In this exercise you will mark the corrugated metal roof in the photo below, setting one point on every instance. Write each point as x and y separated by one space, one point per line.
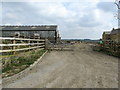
38 27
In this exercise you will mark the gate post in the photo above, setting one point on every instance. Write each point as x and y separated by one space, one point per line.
46 43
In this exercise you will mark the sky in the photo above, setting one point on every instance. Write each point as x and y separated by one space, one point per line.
76 19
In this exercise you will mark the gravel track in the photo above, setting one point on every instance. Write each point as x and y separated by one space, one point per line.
80 68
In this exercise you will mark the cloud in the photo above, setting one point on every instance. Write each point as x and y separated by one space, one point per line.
75 19
57 1
107 6
0 13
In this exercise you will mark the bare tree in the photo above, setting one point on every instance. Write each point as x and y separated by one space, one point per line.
117 3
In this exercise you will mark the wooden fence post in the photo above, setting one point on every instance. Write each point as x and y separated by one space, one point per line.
14 42
36 43
46 43
29 44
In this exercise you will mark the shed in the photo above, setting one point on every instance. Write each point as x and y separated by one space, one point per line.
49 32
115 35
106 35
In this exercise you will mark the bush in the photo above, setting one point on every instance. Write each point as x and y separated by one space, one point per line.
6 69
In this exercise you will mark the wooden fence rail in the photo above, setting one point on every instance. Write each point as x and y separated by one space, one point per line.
110 47
20 44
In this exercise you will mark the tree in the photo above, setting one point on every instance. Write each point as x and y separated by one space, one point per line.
117 3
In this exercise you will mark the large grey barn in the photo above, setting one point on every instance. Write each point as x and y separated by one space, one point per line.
43 31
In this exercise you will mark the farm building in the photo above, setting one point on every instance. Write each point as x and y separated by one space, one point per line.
106 35
113 35
49 32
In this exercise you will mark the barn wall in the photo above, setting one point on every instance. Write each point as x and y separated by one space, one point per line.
106 36
115 37
50 35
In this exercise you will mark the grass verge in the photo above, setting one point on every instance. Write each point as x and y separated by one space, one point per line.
20 62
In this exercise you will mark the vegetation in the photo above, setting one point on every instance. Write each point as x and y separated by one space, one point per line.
20 62
116 54
112 53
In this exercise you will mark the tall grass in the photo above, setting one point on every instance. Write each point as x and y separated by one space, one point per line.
22 60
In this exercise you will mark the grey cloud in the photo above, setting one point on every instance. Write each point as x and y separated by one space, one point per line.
107 6
28 14
18 12
0 12
89 20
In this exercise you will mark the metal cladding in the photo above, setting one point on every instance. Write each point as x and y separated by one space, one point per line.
32 27
42 31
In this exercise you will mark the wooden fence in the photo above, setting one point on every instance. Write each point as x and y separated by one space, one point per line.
110 47
20 44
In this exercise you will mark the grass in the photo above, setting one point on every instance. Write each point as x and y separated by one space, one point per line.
25 60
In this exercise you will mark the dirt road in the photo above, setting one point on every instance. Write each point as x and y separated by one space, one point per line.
80 68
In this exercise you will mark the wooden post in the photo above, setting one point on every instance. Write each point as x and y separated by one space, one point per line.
29 44
14 42
38 41
18 45
46 43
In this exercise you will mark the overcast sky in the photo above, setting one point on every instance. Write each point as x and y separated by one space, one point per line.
75 19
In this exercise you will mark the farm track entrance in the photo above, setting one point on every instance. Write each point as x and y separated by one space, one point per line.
79 68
